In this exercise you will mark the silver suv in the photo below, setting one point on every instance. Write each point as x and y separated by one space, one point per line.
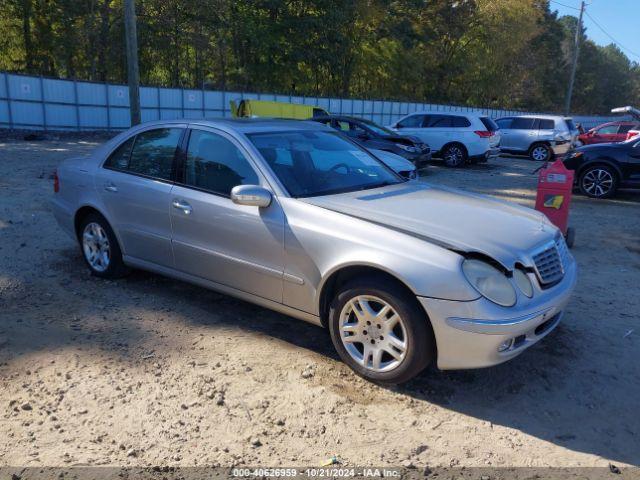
538 136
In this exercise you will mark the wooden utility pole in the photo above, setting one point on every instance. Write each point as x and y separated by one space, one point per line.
574 65
133 74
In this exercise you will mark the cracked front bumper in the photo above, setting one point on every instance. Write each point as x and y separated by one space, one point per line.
469 334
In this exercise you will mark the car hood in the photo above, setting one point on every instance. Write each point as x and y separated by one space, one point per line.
597 147
448 217
404 139
393 161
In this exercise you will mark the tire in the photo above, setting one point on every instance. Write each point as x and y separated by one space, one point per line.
99 247
411 331
598 181
540 152
570 237
454 155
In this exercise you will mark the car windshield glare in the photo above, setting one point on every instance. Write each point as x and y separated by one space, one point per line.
312 163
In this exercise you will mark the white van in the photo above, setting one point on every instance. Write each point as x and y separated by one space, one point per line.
457 138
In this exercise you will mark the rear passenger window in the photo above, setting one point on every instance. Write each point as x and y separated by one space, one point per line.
460 122
546 124
522 123
439 121
153 152
414 121
119 159
217 165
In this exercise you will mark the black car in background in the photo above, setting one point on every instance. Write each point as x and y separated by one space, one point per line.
601 169
373 136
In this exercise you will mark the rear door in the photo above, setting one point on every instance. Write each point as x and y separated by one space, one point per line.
213 238
546 129
135 185
440 130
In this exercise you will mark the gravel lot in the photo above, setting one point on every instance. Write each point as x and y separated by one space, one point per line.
148 371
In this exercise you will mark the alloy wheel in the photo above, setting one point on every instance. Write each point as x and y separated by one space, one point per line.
454 156
373 333
540 153
95 246
597 182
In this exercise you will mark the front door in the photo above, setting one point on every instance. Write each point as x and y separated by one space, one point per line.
135 184
213 238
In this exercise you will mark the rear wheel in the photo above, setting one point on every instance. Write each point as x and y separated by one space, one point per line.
380 330
454 155
100 247
540 152
599 181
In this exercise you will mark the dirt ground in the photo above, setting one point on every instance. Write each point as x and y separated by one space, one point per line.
147 370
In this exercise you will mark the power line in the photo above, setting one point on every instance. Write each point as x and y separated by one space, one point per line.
565 5
612 39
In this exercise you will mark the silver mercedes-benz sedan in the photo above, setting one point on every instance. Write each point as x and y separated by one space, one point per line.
294 217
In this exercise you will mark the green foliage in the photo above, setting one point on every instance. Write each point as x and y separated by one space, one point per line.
498 53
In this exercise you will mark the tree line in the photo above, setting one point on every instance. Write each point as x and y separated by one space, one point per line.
493 53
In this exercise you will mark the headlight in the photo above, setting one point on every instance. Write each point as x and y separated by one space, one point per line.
406 148
574 155
523 282
490 282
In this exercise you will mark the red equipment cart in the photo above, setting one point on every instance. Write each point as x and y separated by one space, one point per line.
555 185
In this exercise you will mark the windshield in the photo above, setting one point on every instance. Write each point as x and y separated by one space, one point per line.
570 125
321 163
378 129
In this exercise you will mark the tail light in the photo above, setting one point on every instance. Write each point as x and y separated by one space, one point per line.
56 182
483 133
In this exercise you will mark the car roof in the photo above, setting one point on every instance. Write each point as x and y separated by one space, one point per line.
544 117
453 114
340 117
246 125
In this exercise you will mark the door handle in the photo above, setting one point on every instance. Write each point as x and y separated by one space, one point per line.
110 187
182 205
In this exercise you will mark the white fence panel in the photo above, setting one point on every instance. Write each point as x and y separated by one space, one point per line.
44 103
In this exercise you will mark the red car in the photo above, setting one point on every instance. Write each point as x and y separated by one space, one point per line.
608 133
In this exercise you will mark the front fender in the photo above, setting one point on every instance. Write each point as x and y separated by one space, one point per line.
320 242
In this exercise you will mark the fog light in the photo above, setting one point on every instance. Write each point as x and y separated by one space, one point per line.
506 345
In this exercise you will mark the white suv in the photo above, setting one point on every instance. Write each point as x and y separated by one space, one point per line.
455 137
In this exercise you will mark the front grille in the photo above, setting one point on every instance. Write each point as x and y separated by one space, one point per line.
551 261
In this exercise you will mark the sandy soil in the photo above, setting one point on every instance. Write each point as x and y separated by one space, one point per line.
148 371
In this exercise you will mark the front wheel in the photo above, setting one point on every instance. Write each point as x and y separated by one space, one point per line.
380 331
599 181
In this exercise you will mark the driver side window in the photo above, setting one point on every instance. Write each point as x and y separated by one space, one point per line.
608 130
413 121
215 164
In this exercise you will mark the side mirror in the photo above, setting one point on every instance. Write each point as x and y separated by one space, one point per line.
251 195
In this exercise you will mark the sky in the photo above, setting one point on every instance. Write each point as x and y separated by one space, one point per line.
620 19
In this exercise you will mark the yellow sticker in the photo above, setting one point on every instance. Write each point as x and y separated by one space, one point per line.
553 201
